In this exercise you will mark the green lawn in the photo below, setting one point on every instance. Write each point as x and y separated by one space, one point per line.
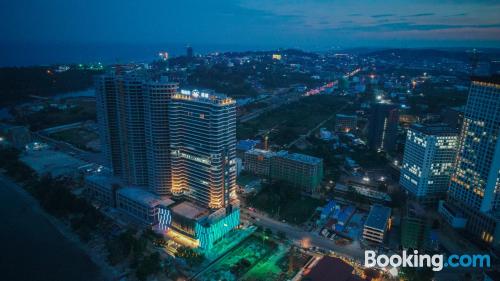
84 110
290 121
245 178
240 260
79 137
285 202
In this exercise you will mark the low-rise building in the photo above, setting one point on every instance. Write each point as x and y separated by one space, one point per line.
345 123
102 188
141 205
377 224
243 146
258 162
300 170
17 136
201 227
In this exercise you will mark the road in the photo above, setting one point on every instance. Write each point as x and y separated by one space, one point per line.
302 137
277 100
86 156
298 234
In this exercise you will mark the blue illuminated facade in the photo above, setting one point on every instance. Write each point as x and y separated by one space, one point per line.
207 233
164 218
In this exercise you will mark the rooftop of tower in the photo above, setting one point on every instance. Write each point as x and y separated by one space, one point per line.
494 79
265 153
206 96
307 159
438 129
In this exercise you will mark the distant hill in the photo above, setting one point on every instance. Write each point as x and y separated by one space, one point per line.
418 54
461 54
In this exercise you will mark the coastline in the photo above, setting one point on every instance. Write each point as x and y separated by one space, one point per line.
107 272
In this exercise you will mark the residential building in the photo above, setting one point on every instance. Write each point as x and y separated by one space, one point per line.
345 123
383 126
203 147
377 223
258 162
243 146
157 103
120 114
168 146
475 183
171 142
415 230
303 171
428 161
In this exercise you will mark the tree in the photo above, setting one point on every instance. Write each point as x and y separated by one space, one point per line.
116 253
414 274
192 257
371 273
148 266
15 168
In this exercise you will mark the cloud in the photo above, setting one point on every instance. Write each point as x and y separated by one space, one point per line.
408 26
458 15
382 16
420 15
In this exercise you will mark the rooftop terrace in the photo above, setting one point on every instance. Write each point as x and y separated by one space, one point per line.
144 197
190 210
302 158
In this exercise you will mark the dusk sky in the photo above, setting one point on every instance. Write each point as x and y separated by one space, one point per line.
307 24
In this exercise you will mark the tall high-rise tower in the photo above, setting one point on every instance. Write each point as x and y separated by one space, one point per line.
474 190
170 142
157 102
428 161
383 126
120 113
203 143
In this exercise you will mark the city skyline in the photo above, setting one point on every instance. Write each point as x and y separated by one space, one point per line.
250 140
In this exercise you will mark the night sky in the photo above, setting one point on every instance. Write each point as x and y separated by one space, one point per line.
317 24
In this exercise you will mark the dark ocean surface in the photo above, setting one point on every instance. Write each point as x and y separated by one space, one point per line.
32 249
